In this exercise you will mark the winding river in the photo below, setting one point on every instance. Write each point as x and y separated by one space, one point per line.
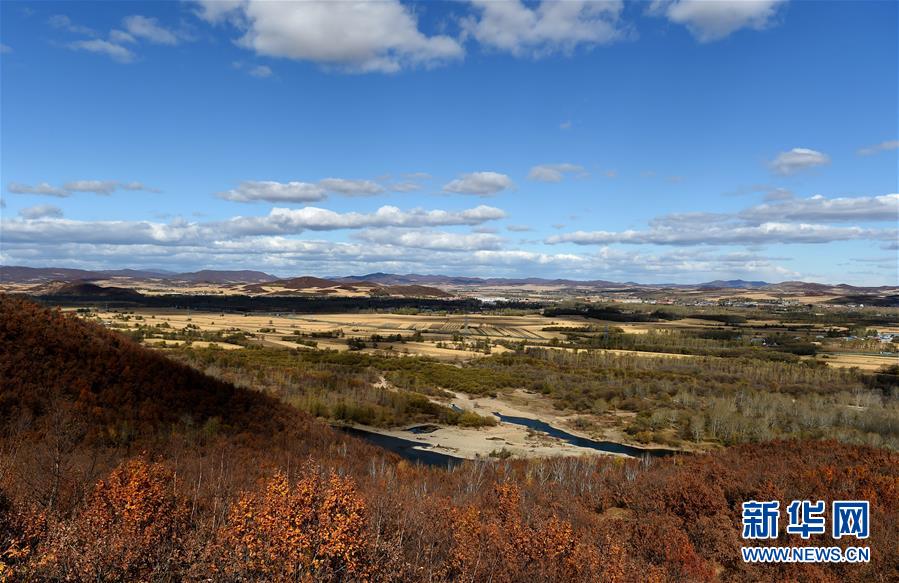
414 451
604 446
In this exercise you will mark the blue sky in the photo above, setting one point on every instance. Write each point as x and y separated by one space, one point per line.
671 141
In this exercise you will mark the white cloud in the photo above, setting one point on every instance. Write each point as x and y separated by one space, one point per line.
261 71
711 20
279 222
41 211
294 256
136 186
4 49
63 22
271 191
433 240
404 186
479 183
351 187
549 27
48 231
217 11
791 221
881 147
554 172
519 228
42 188
95 186
100 46
778 194
120 36
726 234
352 35
565 125
136 27
149 29
798 159
818 208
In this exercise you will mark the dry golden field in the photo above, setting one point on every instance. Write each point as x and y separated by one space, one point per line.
271 329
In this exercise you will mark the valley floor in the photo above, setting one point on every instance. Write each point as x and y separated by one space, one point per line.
505 438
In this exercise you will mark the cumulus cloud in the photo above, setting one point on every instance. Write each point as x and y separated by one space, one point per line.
293 256
404 186
271 191
279 222
798 159
351 187
282 221
261 71
63 22
99 46
479 183
258 71
727 234
149 29
818 208
778 194
136 28
299 192
792 221
554 172
41 211
549 27
47 231
351 35
41 188
96 186
881 147
519 228
433 240
218 11
712 20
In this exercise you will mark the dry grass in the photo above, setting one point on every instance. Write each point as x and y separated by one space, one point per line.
433 328
867 362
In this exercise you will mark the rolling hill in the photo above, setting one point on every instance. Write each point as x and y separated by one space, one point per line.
19 274
308 285
105 382
86 290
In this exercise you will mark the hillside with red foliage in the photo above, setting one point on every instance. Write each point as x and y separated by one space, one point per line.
114 384
118 465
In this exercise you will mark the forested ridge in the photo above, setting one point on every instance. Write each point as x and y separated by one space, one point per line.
118 464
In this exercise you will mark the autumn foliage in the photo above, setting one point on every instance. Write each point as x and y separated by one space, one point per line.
131 528
314 529
117 465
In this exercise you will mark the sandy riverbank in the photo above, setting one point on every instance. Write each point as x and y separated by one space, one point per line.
516 439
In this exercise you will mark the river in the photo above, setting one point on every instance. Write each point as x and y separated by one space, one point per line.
406 448
604 446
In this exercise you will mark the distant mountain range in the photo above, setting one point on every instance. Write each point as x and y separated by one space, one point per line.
445 280
305 285
18 274
385 281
